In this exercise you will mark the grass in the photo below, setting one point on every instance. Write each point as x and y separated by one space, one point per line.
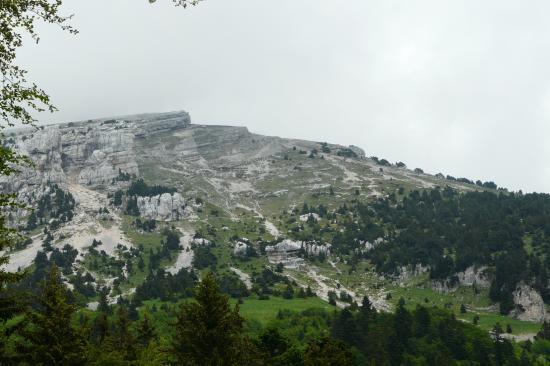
476 304
265 311
488 320
257 313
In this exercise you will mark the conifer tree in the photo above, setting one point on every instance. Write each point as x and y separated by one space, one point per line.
146 332
122 339
49 336
544 331
272 343
402 330
328 352
208 332
422 321
345 328
366 314
100 328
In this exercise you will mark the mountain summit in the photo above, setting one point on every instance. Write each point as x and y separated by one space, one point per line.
118 198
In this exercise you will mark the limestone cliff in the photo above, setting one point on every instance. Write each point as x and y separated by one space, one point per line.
91 153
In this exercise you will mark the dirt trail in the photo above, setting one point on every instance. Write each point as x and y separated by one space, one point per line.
272 229
245 277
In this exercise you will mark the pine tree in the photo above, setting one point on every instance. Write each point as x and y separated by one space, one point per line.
422 321
328 352
402 330
146 332
100 328
366 314
207 331
103 305
272 343
288 293
49 337
544 331
122 339
345 328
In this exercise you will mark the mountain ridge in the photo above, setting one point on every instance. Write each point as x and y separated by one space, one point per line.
124 181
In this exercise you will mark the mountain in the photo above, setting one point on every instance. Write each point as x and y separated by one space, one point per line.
119 200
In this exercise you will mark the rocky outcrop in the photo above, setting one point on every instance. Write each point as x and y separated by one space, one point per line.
529 304
316 249
287 251
240 249
309 216
478 277
368 246
164 207
91 153
445 286
473 276
285 246
405 273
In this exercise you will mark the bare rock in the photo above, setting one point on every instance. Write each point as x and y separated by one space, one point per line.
240 249
473 276
529 304
164 207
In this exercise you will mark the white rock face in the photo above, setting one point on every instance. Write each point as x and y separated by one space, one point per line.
407 272
471 276
316 249
164 207
240 249
368 246
444 286
286 246
286 252
474 276
91 153
200 241
305 217
529 304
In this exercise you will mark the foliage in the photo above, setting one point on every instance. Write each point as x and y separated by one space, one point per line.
447 232
208 332
140 188
48 336
232 285
203 257
166 286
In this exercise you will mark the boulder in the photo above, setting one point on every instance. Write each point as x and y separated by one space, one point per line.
240 249
529 304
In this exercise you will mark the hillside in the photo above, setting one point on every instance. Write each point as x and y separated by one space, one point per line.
116 200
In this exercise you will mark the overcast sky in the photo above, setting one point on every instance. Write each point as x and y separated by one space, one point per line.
459 87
